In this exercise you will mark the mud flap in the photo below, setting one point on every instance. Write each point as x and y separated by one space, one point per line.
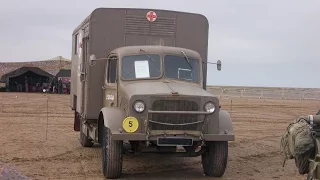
76 123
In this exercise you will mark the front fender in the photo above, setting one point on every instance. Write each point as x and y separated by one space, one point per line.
225 123
225 129
113 118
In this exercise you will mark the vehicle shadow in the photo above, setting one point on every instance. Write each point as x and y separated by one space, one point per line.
158 167
174 174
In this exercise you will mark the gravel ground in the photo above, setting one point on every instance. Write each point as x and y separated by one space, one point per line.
43 145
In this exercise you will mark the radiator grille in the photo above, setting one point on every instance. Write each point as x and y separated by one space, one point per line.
174 105
140 25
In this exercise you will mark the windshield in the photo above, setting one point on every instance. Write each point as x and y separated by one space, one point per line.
141 66
182 68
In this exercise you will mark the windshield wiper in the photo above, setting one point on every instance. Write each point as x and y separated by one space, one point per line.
187 59
150 59
147 55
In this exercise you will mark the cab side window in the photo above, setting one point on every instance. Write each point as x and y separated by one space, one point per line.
112 69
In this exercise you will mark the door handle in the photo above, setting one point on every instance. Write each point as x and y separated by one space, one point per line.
103 87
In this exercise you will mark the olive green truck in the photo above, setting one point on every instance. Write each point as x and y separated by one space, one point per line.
139 78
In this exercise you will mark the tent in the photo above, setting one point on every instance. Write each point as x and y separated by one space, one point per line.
64 73
62 81
29 79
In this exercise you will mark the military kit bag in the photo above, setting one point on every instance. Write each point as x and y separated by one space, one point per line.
297 143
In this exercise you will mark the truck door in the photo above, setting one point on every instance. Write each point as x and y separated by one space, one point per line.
111 85
83 69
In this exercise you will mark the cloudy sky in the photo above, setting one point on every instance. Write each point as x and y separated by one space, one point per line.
260 43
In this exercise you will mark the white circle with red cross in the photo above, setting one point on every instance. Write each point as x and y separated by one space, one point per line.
151 16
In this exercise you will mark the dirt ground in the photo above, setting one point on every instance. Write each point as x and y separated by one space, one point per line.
50 149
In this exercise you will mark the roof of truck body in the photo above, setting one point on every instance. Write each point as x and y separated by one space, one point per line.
156 49
80 25
87 19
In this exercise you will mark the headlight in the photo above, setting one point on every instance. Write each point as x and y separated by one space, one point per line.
209 107
139 106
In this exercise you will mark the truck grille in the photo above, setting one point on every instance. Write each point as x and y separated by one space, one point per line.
174 105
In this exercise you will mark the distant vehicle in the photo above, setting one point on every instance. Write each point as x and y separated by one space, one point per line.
139 76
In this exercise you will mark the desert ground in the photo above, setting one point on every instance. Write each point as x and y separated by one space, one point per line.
43 145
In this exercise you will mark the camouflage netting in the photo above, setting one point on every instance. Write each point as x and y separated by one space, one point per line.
297 143
8 173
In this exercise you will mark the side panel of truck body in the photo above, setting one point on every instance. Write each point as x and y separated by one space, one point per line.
110 28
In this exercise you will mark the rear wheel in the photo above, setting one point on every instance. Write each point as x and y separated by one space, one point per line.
84 140
111 155
214 159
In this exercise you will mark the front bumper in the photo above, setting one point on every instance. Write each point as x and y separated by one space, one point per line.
143 137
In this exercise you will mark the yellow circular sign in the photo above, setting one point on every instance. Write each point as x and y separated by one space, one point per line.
130 124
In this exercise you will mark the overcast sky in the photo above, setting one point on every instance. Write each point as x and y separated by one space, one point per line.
260 43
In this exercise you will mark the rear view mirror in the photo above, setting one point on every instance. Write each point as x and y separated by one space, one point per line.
219 65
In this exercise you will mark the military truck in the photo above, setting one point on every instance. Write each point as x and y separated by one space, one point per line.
139 78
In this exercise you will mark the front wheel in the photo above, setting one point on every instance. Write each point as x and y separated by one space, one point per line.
111 155
214 159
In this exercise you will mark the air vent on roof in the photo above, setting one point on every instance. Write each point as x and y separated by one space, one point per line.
140 25
136 25
163 26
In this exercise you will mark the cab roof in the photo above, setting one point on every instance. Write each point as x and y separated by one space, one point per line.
156 49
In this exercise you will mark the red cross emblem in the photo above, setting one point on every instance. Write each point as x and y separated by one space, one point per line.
151 16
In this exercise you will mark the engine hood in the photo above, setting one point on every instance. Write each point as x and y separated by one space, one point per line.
163 88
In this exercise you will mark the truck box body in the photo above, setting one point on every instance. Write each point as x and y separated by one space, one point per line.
109 28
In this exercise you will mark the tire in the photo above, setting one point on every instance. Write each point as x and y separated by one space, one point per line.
85 141
111 156
214 159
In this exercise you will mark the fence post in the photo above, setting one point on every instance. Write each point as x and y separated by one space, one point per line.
231 108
